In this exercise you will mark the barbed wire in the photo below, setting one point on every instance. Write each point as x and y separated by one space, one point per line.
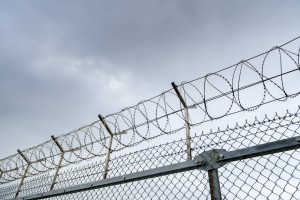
263 78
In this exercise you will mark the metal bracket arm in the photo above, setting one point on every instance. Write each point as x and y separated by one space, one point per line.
106 165
23 156
105 124
63 151
57 143
59 163
10 170
6 171
186 120
26 170
175 87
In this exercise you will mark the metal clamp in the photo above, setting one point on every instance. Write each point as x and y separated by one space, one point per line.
211 159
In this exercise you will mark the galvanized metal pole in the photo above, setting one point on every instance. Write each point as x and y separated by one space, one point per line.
188 134
186 120
63 151
106 165
57 170
25 172
214 185
22 180
59 163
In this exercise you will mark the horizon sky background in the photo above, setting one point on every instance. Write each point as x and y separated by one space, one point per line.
63 63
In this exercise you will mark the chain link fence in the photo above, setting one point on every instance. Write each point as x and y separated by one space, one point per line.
273 176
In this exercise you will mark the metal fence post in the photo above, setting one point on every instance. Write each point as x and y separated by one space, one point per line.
59 163
186 119
214 184
25 172
63 151
106 165
107 157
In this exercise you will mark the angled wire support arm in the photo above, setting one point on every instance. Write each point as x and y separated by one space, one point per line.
25 172
109 151
186 120
59 162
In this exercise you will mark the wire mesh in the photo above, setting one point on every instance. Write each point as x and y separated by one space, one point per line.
275 176
187 185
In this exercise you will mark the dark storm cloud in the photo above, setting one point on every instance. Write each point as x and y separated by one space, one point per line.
64 62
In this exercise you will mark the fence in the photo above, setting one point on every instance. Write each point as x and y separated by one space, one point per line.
257 160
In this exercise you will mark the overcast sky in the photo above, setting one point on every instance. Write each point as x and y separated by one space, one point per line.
64 62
